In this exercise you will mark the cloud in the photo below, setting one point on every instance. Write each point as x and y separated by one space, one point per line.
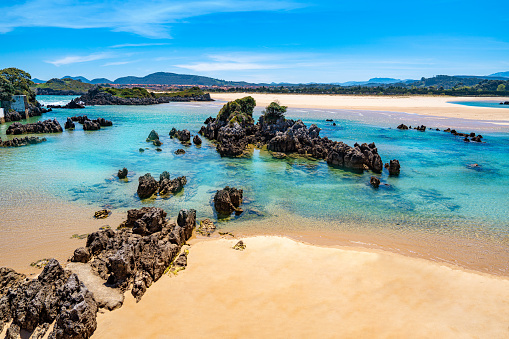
117 63
139 45
150 18
73 59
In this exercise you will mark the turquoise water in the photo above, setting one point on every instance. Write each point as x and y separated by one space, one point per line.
437 190
482 103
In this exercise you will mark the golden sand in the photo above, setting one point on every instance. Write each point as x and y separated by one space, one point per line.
425 105
280 288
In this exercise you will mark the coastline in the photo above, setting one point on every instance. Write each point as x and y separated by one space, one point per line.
306 290
423 105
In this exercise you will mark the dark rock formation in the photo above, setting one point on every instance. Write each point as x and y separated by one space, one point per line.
122 174
235 132
80 119
183 136
46 126
141 250
9 279
196 140
206 227
227 201
55 295
152 136
393 167
240 246
375 182
91 125
180 151
69 124
102 214
505 103
95 96
421 128
147 186
402 126
18 142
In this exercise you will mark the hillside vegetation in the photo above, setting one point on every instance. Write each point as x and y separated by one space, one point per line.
66 84
138 92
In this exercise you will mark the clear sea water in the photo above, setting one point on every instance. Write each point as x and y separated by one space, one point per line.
438 190
494 103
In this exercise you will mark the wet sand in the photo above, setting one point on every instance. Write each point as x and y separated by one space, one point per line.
424 105
280 288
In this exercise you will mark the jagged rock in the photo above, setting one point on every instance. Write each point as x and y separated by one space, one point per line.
146 220
197 140
206 227
157 142
375 182
9 279
402 126
80 119
240 246
69 124
227 201
81 254
421 128
152 136
183 136
122 174
167 186
46 126
393 167
180 151
90 125
147 186
102 214
19 142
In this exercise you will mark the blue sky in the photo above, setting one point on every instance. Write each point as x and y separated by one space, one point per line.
259 41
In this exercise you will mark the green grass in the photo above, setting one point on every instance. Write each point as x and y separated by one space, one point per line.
66 84
137 92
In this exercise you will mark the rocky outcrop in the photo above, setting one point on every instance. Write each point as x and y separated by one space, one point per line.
283 136
102 214
183 136
402 126
33 111
96 96
180 151
421 128
227 201
141 250
148 186
69 124
375 182
46 126
56 295
9 279
393 167
18 142
90 125
196 140
122 174
206 227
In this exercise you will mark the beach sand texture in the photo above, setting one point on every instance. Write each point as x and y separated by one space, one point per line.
424 105
280 288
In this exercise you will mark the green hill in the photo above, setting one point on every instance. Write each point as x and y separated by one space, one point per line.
63 85
163 78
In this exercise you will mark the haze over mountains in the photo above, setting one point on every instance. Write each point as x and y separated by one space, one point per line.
164 78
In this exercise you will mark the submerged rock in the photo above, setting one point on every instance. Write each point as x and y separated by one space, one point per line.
147 186
69 124
206 227
393 167
19 142
196 140
375 182
180 151
46 126
122 174
152 136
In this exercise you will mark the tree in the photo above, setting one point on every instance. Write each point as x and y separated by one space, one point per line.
501 88
20 80
274 112
6 89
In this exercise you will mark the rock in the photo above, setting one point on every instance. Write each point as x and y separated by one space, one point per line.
152 136
196 140
421 128
206 227
329 120
47 126
122 174
157 142
102 214
239 246
159 150
90 125
181 262
183 136
19 142
167 186
141 150
227 201
180 151
9 279
69 124
145 221
81 254
393 167
402 126
147 186
466 139
375 182
278 155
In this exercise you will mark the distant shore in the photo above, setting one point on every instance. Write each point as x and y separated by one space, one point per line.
278 287
423 105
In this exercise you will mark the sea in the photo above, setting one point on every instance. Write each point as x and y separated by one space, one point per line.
446 186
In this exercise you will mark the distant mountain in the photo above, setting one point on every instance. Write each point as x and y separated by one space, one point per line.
38 81
500 74
100 81
80 78
66 85
163 78
372 81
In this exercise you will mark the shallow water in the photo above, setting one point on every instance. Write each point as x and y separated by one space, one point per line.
494 103
438 191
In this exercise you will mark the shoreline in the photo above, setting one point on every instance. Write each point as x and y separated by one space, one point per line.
306 290
423 105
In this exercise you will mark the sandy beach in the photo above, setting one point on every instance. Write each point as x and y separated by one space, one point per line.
281 288
424 105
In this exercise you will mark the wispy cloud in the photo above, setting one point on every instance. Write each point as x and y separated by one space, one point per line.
73 59
150 18
118 63
139 45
